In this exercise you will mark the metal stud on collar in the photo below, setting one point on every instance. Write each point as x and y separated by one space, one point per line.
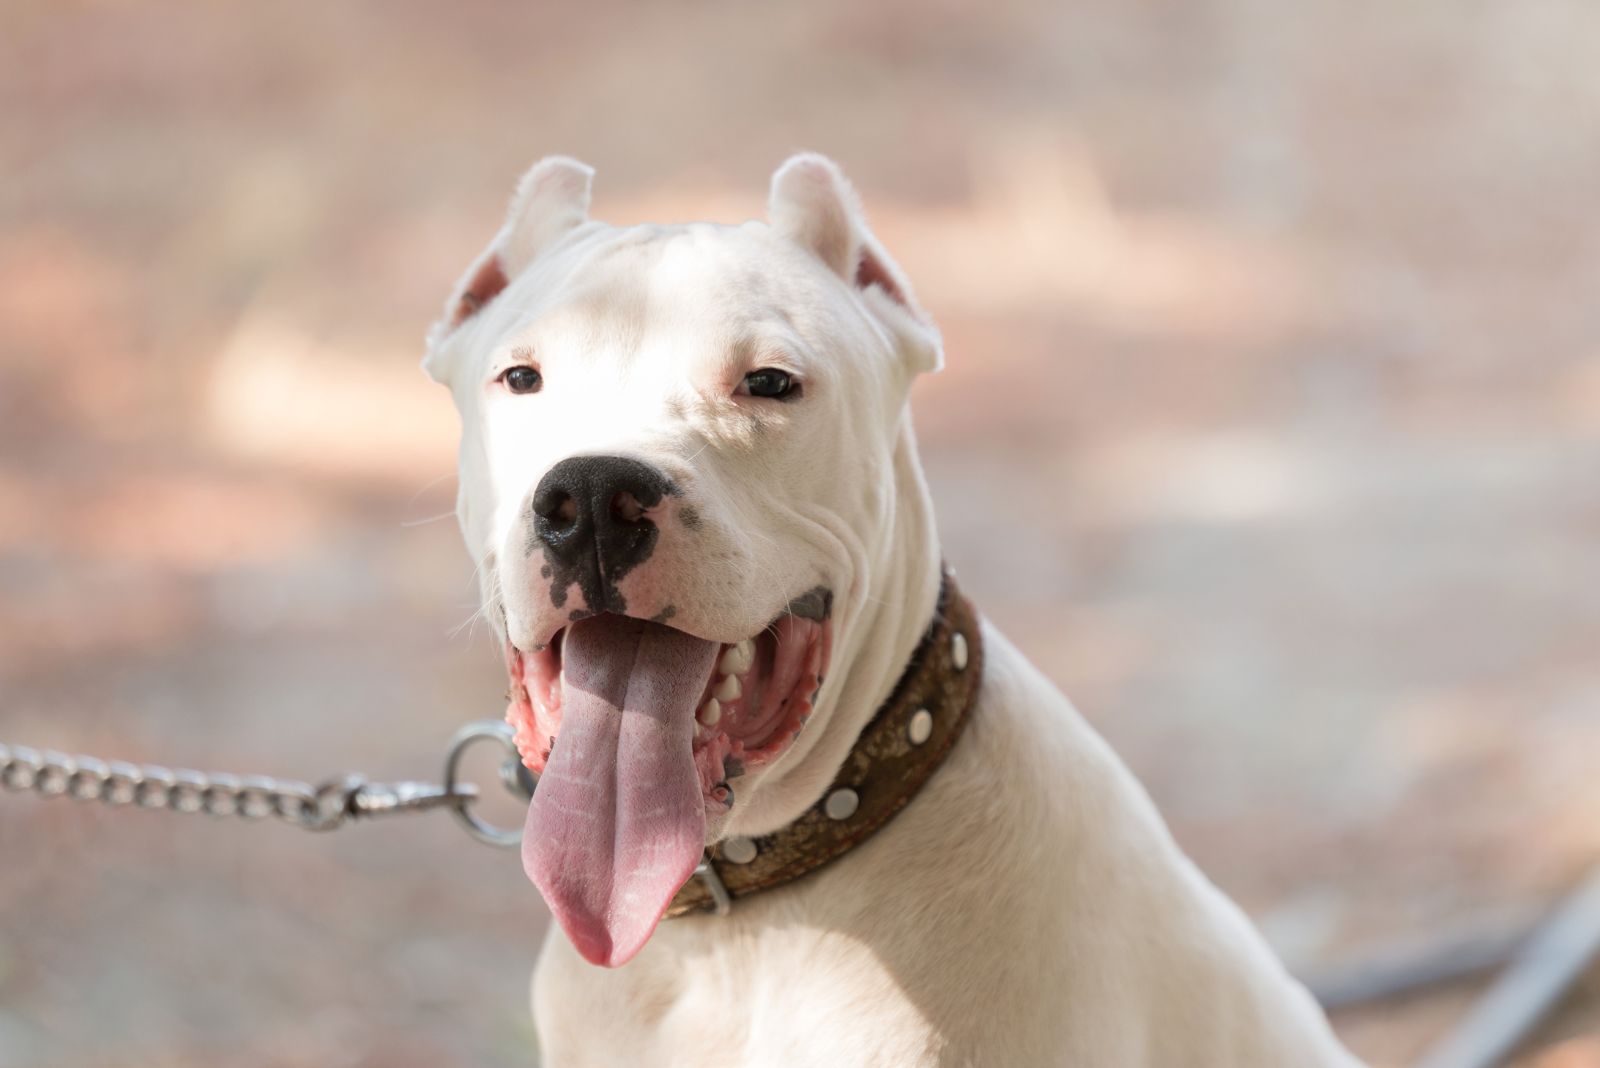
920 729
958 651
739 850
842 803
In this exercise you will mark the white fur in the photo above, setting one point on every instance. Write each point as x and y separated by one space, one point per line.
1029 908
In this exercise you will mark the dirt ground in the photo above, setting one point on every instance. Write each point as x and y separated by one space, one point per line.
1270 430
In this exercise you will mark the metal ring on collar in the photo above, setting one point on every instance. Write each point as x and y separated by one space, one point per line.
479 828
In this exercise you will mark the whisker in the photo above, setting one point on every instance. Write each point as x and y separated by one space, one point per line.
430 519
477 614
428 486
493 600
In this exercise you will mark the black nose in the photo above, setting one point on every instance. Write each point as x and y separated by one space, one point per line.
589 512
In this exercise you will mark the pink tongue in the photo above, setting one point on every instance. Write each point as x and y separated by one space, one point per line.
618 823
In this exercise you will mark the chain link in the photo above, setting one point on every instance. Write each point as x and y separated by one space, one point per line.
49 773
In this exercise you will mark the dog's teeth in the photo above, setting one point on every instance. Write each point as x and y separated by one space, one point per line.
728 689
710 712
738 658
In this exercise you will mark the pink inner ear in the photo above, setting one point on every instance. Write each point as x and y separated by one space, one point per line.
485 285
871 272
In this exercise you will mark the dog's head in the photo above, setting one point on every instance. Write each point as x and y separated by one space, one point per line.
676 470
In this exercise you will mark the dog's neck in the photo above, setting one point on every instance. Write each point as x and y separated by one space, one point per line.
890 601
901 748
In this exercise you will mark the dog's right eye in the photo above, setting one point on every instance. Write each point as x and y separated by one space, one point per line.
770 382
522 379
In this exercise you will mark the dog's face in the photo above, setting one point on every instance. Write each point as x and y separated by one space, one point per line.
676 448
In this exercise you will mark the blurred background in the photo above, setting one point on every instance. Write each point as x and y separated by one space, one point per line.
1270 431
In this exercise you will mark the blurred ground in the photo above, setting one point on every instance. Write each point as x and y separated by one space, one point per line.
1274 351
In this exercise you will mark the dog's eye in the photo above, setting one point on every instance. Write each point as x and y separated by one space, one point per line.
770 382
522 379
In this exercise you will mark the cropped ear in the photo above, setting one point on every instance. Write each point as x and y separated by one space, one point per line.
813 205
551 200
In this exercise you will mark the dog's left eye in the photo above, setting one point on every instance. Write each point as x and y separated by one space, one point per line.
770 382
522 379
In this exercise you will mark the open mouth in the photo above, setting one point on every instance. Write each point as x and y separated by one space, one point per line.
757 697
639 733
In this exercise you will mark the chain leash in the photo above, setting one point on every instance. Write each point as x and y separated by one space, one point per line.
325 807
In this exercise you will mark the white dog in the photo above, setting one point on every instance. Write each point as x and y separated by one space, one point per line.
689 476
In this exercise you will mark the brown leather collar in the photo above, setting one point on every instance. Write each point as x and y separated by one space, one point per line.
897 752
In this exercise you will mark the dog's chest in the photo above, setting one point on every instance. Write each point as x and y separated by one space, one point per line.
742 998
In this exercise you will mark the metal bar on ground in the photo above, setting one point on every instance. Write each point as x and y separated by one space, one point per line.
1555 956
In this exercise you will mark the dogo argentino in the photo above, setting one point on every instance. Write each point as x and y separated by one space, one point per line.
796 805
